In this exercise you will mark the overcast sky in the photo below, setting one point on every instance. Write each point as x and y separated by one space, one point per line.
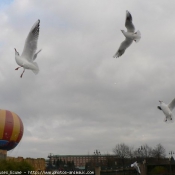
83 99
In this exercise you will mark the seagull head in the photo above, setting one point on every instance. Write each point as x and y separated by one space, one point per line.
160 101
16 52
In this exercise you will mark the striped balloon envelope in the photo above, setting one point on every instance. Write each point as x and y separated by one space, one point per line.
11 130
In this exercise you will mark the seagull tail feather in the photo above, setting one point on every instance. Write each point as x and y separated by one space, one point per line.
137 36
36 70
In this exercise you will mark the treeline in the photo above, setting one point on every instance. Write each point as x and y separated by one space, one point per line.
126 155
24 166
124 151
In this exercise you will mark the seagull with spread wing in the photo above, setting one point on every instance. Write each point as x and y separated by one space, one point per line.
29 54
135 165
167 109
130 35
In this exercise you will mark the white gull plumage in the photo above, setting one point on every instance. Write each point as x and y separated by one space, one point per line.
29 54
135 165
130 36
167 110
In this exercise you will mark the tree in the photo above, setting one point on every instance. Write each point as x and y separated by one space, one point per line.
144 151
159 170
127 155
123 151
158 152
15 166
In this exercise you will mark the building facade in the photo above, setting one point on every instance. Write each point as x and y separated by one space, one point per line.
81 160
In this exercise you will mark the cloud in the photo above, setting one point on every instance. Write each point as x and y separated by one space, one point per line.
83 99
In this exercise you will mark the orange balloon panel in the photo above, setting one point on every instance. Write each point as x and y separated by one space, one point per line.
11 130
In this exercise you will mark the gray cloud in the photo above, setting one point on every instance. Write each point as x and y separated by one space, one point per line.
83 99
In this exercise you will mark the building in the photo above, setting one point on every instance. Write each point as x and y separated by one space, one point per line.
81 160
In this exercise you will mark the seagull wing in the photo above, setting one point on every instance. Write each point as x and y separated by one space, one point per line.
135 165
31 42
172 104
123 46
128 23
137 168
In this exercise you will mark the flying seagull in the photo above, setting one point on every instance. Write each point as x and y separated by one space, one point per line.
29 54
130 36
135 165
167 109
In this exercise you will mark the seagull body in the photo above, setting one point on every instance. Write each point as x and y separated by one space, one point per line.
29 54
130 36
167 109
135 165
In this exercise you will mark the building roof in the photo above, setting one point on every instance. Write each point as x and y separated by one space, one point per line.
85 155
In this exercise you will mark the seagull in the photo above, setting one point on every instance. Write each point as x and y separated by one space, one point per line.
167 109
135 165
29 54
130 36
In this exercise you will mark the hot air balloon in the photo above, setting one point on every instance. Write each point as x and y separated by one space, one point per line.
11 130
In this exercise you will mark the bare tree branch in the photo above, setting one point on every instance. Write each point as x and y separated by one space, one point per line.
159 151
